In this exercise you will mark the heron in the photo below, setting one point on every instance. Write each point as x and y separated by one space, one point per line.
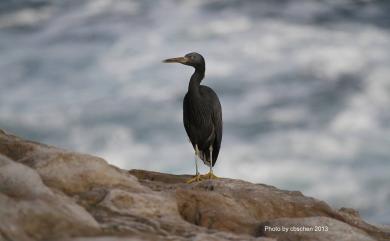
202 116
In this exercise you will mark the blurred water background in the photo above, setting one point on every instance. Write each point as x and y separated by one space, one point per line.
304 85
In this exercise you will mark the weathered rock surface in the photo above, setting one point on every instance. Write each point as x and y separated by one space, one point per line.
47 193
27 207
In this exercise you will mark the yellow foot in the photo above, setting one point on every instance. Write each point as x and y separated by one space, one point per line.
209 175
196 178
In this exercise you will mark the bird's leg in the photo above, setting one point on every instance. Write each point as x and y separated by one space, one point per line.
196 160
197 176
210 175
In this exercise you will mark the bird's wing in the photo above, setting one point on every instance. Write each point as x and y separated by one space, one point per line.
216 119
218 126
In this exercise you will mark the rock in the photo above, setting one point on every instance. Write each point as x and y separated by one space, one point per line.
47 193
28 208
242 207
70 172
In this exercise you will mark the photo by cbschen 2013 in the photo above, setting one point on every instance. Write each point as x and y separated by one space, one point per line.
304 88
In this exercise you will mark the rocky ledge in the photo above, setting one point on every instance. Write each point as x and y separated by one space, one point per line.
47 193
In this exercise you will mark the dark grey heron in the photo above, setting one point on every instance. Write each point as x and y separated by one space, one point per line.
202 116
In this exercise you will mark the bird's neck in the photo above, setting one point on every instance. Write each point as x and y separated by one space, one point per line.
196 78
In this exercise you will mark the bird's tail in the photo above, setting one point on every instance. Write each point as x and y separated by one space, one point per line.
204 157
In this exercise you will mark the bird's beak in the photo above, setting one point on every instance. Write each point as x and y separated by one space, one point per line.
182 60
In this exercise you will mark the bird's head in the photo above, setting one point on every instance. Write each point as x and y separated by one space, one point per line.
192 59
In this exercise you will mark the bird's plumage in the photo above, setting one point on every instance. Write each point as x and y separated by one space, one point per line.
202 117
